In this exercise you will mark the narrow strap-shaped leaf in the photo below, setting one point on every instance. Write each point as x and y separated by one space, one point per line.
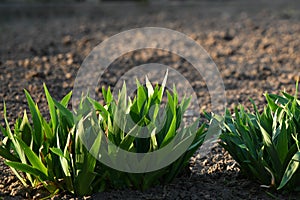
83 183
254 106
95 149
33 158
271 150
51 106
26 130
21 178
27 169
19 150
282 143
66 99
107 95
288 96
63 160
149 86
171 132
271 103
68 114
280 99
5 153
199 138
297 88
290 170
37 134
48 132
130 137
4 132
153 141
86 174
171 103
99 107
185 103
163 85
57 151
141 96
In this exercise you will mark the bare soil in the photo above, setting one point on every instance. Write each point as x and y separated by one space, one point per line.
256 47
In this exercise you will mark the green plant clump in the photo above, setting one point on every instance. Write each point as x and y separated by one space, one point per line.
52 153
124 120
48 152
267 145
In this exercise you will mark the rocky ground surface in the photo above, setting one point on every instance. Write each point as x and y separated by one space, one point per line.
256 47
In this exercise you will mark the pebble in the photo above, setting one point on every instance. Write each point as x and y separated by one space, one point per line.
68 75
31 74
45 59
10 62
60 56
67 40
26 62
70 61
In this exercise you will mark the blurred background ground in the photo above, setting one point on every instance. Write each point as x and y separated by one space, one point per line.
256 46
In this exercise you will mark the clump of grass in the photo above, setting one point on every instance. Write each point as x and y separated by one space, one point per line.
267 145
48 152
121 120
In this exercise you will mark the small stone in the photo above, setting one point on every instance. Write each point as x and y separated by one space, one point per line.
290 76
26 62
32 74
284 79
36 59
193 36
70 61
293 77
20 62
68 75
60 56
69 55
67 40
10 179
44 59
210 41
10 62
65 84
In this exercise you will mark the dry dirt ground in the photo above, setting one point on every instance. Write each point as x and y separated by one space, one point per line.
256 47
